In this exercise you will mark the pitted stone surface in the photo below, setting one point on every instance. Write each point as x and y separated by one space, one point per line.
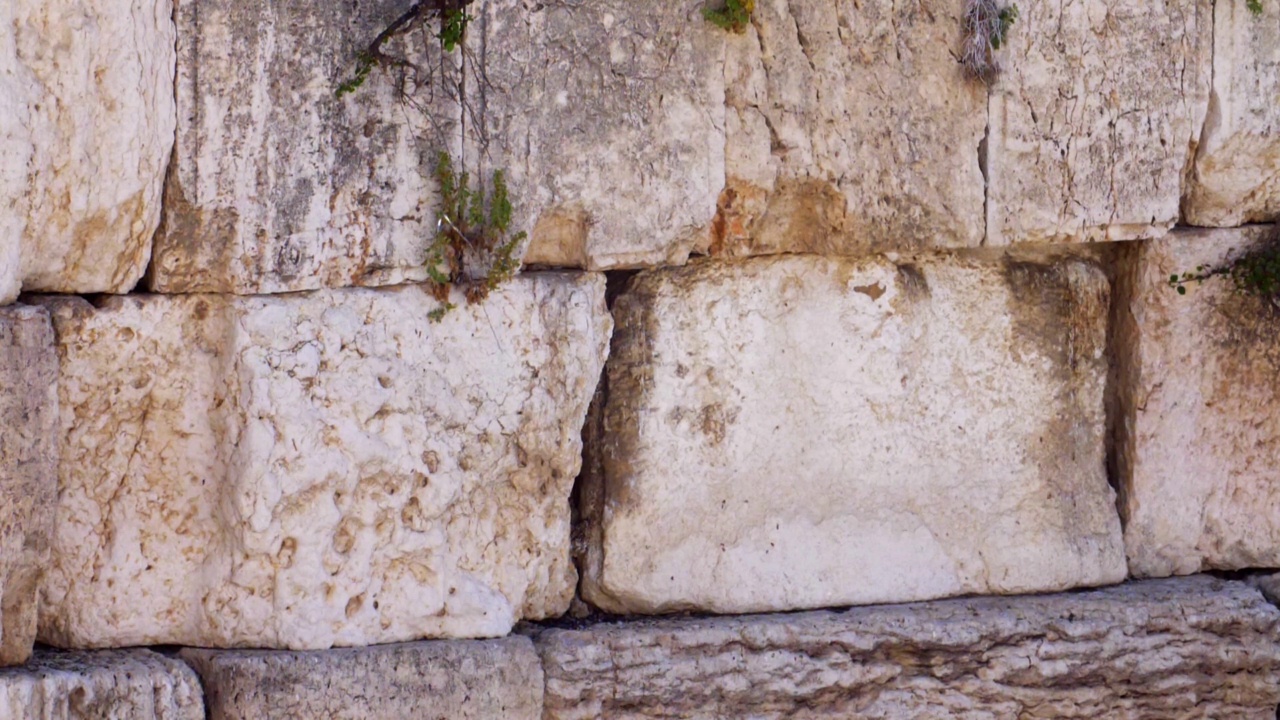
86 130
807 432
606 117
107 685
1192 647
320 469
1095 119
28 471
440 680
1199 439
1236 176
850 127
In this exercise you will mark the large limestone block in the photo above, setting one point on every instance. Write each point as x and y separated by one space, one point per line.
86 130
28 471
807 432
443 680
605 115
1096 118
321 469
850 126
1187 648
109 685
609 117
1236 175
1199 441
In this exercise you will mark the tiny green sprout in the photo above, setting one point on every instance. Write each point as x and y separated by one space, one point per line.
453 28
735 16
438 314
1255 6
1005 20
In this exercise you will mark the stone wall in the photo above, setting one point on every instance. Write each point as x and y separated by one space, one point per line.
872 365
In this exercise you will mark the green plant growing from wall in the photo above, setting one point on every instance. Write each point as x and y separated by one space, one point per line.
986 31
1255 273
1255 6
734 15
473 249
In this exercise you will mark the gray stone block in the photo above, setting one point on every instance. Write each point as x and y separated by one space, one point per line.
106 685
453 680
1188 648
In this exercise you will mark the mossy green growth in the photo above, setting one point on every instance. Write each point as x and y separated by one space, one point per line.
1255 6
734 16
1256 273
473 248
1000 29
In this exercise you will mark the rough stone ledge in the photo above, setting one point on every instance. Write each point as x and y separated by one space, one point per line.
112 684
1190 647
453 680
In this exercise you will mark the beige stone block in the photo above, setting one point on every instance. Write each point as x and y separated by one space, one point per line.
86 130
110 685
319 469
1199 441
28 471
1236 175
850 127
448 679
605 117
1192 647
1095 119
804 432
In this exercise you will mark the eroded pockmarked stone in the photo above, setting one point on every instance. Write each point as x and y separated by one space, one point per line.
850 127
1192 647
1236 175
322 469
134 684
808 432
1200 431
1095 119
453 679
86 131
28 471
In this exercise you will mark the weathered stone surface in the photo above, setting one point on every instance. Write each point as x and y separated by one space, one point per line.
609 117
108 685
442 680
28 471
850 126
1096 118
1199 437
606 117
86 130
807 432
322 469
1236 175
1193 647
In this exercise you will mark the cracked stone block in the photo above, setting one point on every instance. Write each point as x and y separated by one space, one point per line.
441 680
28 471
107 685
86 130
850 128
606 118
1199 438
1095 119
1236 175
798 432
321 469
1191 647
